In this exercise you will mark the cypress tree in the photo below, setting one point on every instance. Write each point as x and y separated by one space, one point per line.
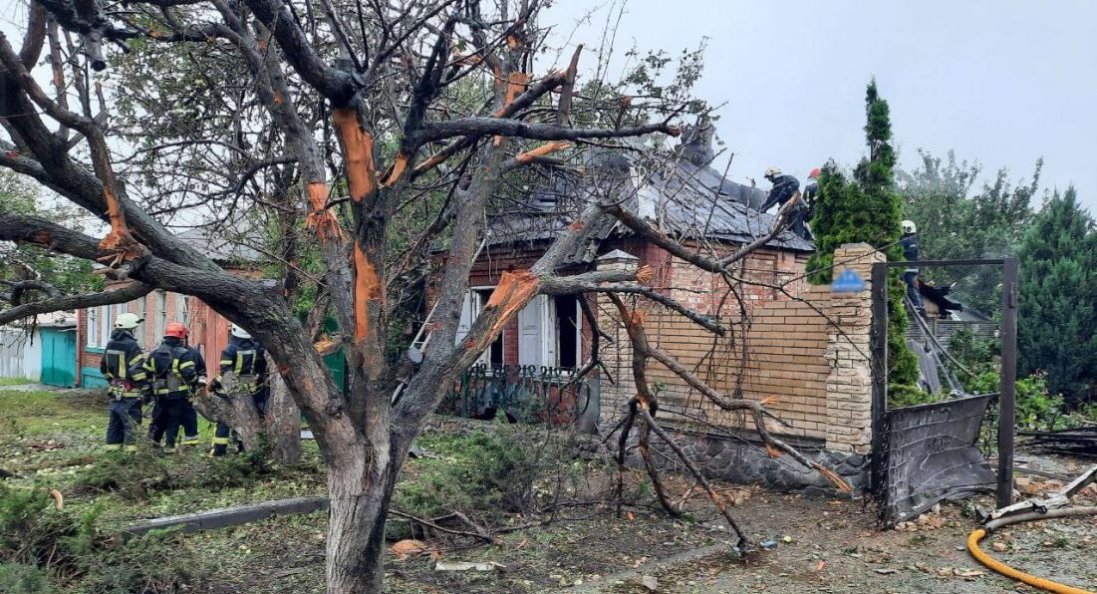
1058 315
867 209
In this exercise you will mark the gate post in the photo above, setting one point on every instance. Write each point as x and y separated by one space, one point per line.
879 372
849 383
1007 412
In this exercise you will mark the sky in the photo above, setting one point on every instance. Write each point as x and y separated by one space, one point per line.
1000 82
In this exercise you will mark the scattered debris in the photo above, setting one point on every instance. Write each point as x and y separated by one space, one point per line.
1076 441
58 499
405 548
768 545
468 566
650 582
886 571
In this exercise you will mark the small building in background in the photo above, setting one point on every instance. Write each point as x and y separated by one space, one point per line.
209 331
42 350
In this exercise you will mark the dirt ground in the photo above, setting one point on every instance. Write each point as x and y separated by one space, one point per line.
821 545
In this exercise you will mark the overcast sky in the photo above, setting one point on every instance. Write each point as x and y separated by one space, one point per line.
1002 82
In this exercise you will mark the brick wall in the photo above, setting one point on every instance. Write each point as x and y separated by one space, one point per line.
807 370
208 330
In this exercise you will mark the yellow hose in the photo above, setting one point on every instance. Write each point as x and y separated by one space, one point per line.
973 540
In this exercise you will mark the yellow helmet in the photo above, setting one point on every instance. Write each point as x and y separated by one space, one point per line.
908 226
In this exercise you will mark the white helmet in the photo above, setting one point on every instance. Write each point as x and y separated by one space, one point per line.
127 321
239 332
772 172
908 226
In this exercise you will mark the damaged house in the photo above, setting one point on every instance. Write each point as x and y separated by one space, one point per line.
783 343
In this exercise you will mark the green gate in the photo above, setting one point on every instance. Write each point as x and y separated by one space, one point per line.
59 357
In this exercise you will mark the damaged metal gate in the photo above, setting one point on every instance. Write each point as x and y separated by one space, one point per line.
927 453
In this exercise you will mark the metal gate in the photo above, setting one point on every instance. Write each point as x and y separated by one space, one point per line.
927 453
527 393
930 454
59 357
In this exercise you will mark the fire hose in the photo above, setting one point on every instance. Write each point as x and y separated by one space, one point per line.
1028 511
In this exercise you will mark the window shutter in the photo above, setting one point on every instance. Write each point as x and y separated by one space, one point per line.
531 338
551 334
467 318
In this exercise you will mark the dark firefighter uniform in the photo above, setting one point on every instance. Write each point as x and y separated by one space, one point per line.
175 373
245 358
909 241
785 187
123 366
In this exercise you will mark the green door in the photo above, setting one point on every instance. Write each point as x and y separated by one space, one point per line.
59 357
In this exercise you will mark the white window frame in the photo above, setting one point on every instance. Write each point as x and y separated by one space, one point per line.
471 307
99 325
159 315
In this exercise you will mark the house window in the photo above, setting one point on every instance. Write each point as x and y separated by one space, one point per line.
568 333
470 310
550 332
160 313
181 313
99 324
139 306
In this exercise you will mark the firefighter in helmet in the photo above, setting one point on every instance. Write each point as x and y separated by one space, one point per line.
787 188
176 373
122 365
245 358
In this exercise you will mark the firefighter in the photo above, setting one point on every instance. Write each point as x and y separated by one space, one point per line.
122 365
786 188
909 241
245 358
811 192
175 372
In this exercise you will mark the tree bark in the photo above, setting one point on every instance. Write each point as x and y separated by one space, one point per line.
279 429
356 529
283 423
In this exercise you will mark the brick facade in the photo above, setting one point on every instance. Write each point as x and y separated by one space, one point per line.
208 329
814 376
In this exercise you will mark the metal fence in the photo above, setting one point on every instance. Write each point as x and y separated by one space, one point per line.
526 393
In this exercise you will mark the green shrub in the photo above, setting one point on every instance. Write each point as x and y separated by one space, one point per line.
902 395
16 578
1036 408
135 476
40 544
487 474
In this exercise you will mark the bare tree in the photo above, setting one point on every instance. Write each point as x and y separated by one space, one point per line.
375 138
376 72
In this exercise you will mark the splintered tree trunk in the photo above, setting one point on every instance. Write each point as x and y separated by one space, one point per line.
356 530
279 429
283 423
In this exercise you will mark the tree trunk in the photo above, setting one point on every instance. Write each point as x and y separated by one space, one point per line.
279 429
283 423
356 531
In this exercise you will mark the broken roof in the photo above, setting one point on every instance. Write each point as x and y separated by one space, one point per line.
684 199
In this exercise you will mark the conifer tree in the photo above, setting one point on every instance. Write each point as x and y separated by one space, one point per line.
1058 301
867 209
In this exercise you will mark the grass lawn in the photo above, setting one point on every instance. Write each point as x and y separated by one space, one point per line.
15 381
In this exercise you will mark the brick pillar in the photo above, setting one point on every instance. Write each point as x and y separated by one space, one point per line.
617 356
849 385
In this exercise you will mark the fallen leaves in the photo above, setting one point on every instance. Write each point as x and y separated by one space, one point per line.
405 548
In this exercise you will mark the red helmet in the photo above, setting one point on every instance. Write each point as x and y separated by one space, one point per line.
815 173
177 330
